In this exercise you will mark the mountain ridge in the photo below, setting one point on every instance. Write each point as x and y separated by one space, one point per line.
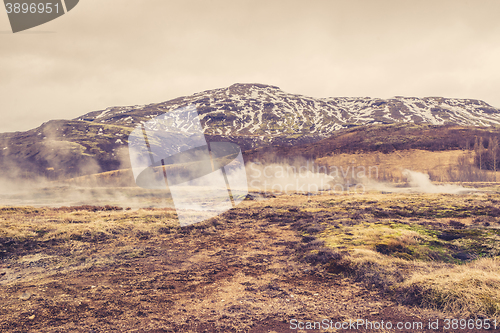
251 115
245 107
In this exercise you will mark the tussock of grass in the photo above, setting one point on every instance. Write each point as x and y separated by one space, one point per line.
378 270
471 290
468 290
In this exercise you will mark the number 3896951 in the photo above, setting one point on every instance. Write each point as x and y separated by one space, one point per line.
31 8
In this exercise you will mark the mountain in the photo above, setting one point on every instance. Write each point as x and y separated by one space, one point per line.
257 109
252 115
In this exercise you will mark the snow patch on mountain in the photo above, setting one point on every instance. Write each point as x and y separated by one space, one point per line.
261 110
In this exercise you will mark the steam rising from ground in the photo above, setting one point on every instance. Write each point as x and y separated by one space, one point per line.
303 176
419 182
277 177
50 194
287 178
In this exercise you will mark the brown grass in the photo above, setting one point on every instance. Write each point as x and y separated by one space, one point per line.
398 244
395 243
471 290
44 224
442 166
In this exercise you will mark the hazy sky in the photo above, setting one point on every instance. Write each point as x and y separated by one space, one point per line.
126 52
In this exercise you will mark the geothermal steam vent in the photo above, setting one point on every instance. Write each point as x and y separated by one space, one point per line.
170 152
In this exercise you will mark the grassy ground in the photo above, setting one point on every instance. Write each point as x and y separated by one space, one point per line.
435 251
397 257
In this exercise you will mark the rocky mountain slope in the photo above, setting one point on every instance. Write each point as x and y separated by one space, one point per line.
256 109
252 115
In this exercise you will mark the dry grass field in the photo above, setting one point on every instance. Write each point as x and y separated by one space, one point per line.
392 257
391 165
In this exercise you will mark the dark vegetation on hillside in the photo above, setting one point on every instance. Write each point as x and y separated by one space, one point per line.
387 139
487 157
480 146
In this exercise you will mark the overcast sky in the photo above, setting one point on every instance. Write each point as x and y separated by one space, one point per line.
126 52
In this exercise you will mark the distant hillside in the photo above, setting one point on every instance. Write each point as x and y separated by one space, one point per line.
447 153
384 139
252 115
